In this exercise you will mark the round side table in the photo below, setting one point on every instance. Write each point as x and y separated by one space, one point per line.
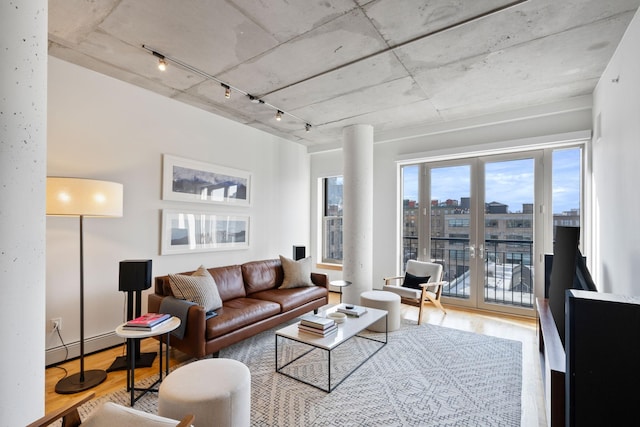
164 329
340 284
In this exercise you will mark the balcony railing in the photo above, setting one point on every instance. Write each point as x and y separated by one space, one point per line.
508 273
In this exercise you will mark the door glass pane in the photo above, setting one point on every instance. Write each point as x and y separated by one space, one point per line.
508 230
566 188
450 226
410 212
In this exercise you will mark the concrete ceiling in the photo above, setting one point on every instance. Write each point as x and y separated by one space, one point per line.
394 64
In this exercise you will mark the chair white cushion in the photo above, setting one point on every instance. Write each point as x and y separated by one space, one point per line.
111 414
402 291
420 268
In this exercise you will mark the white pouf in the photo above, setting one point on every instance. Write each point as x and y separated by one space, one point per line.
216 391
383 300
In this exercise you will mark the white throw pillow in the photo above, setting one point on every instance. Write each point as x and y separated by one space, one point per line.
297 274
199 288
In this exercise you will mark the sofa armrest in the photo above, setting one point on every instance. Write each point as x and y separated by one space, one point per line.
194 340
320 279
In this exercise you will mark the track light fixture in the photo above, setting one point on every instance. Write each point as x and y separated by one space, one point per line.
227 90
162 64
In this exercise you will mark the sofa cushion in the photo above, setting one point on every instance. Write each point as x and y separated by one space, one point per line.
229 281
293 297
239 312
262 275
198 287
297 274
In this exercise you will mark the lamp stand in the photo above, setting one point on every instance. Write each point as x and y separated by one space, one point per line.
83 380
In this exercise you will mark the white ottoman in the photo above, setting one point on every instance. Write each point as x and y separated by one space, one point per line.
383 300
216 391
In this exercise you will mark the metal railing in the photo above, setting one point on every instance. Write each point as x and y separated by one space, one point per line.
508 273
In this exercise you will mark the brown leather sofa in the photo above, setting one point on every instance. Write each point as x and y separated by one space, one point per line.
252 303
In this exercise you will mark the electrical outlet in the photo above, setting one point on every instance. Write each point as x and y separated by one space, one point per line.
55 324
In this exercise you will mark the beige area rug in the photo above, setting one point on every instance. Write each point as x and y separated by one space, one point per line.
426 375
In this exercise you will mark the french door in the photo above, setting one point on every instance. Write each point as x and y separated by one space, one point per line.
482 225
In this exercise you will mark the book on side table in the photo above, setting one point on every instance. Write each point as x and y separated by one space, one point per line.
147 322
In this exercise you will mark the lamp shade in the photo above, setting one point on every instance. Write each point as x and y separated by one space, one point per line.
83 197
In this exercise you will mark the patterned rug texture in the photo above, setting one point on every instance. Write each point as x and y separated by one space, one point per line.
426 375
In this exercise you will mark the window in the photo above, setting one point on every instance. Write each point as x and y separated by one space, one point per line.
332 220
459 222
519 223
410 213
567 175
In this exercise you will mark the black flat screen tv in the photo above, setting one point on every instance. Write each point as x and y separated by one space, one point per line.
582 279
568 271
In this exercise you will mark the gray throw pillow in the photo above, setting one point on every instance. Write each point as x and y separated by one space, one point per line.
297 274
199 288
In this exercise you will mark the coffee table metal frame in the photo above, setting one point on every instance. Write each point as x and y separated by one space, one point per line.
351 327
165 329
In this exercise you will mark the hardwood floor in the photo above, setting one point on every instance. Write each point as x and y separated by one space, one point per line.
514 328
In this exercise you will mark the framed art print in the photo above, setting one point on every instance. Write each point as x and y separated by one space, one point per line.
194 181
186 231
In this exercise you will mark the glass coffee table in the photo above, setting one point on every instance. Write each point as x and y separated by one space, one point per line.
298 347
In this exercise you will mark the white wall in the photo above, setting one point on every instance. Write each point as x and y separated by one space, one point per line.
102 128
524 128
616 149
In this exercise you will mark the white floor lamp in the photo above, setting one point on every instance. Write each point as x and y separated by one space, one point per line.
82 197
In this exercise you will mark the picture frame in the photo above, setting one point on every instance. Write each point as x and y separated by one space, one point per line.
195 181
188 231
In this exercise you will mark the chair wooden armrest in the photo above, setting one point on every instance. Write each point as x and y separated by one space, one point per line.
187 421
389 279
428 284
69 414
71 417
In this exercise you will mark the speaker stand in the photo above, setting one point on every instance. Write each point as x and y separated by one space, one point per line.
143 360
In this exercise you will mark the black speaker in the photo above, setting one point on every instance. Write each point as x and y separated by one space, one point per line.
135 275
298 252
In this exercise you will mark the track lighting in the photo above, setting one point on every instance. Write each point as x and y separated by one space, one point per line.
227 90
164 60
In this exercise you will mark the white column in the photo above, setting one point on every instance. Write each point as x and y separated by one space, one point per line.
23 168
357 225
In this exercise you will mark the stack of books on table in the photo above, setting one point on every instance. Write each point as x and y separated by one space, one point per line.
147 322
352 310
318 325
